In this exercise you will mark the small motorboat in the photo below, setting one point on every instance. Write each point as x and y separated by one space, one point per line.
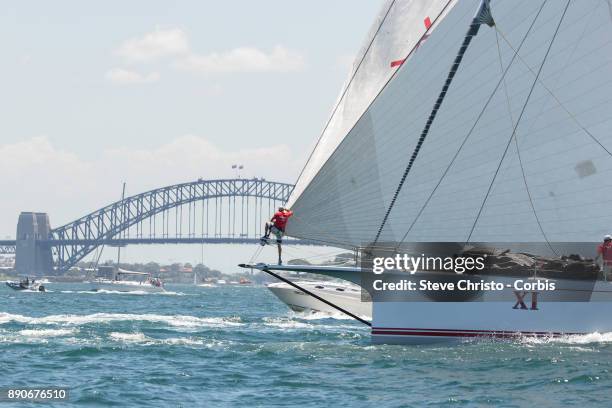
347 296
26 285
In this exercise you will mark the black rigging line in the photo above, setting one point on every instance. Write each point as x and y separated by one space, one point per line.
513 135
483 15
473 126
571 116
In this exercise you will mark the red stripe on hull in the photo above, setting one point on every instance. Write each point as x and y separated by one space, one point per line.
462 333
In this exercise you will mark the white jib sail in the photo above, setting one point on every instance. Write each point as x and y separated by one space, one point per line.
512 156
396 31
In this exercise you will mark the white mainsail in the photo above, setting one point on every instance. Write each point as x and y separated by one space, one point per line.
471 179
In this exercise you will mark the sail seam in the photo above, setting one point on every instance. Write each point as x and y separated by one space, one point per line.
518 153
535 81
473 126
571 116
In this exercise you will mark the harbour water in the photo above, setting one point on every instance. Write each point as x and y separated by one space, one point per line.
239 346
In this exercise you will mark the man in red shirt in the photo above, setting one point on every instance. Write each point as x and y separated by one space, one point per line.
277 226
604 251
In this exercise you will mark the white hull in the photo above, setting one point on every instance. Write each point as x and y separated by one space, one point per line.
125 286
492 314
349 298
430 321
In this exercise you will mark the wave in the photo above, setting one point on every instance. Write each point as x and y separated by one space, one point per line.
137 337
141 338
324 315
47 332
588 338
119 292
293 322
184 341
77 320
34 336
285 323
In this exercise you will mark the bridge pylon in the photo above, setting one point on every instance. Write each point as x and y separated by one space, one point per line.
32 253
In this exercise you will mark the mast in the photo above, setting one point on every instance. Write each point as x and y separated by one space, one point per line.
119 246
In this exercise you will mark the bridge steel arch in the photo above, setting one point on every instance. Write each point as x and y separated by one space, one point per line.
75 240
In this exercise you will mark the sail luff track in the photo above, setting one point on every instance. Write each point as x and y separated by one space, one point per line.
482 16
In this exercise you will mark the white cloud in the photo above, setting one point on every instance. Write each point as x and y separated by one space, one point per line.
174 43
189 157
124 76
244 59
154 45
42 177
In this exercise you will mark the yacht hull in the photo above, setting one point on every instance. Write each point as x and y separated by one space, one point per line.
430 321
127 287
299 301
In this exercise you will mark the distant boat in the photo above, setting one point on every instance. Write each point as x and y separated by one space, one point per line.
120 282
346 296
28 285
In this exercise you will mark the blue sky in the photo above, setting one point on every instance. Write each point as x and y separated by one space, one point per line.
56 57
154 93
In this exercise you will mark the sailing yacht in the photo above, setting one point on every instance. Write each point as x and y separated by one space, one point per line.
129 281
470 121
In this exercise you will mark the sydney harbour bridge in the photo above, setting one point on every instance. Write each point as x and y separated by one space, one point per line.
221 211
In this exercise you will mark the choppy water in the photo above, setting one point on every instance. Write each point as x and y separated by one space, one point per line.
239 346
